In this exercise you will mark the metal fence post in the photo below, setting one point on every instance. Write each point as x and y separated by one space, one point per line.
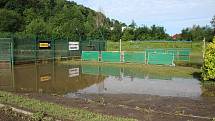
36 48
68 52
53 48
11 44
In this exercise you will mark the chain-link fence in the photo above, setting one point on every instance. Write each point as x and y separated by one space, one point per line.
36 48
6 63
165 56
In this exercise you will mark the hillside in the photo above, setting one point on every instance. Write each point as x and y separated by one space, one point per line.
52 17
62 18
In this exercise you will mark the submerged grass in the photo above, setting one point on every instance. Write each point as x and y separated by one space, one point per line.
157 70
55 110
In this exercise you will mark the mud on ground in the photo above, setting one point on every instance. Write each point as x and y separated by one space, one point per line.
6 114
141 107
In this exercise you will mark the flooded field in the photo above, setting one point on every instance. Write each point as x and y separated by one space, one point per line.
113 90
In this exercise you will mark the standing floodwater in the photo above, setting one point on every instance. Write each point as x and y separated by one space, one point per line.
69 80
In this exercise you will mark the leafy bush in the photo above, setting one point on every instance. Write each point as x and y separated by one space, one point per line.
209 63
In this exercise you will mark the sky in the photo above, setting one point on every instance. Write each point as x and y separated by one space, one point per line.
174 15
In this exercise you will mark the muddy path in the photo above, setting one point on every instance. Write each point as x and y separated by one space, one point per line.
141 107
9 115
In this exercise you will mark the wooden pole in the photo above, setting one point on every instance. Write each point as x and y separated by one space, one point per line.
203 50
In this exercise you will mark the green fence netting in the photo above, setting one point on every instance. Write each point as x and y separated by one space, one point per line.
110 57
150 56
160 58
29 47
134 57
180 54
155 50
6 64
61 48
93 45
90 55
182 58
5 51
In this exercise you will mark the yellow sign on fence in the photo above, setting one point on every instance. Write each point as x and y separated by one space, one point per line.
45 78
44 44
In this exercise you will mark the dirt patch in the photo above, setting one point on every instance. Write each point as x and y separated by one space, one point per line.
6 114
141 107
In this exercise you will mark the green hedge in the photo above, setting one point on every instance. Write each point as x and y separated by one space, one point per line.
208 68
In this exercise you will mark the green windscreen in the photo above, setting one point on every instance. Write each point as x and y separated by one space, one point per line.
180 54
160 58
110 57
134 57
90 55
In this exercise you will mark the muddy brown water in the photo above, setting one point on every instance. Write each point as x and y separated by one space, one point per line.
124 92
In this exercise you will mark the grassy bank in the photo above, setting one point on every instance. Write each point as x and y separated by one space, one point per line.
55 110
141 46
157 70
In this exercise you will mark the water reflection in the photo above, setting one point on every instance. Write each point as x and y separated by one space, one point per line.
89 79
48 78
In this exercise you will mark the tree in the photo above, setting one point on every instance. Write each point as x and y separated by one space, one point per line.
128 35
143 33
213 23
10 21
198 33
116 33
29 15
133 24
209 62
186 34
73 29
65 18
38 26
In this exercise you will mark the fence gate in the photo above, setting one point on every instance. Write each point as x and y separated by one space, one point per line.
6 64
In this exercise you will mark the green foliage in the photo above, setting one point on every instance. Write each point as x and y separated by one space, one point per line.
133 24
10 21
209 62
197 33
51 17
63 18
128 35
38 26
151 33
116 33
213 22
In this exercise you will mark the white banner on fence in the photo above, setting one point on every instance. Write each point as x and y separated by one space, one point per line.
73 72
73 45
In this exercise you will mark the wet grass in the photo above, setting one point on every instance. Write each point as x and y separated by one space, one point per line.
157 70
55 110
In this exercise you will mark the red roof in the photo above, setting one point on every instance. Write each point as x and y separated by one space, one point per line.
176 36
